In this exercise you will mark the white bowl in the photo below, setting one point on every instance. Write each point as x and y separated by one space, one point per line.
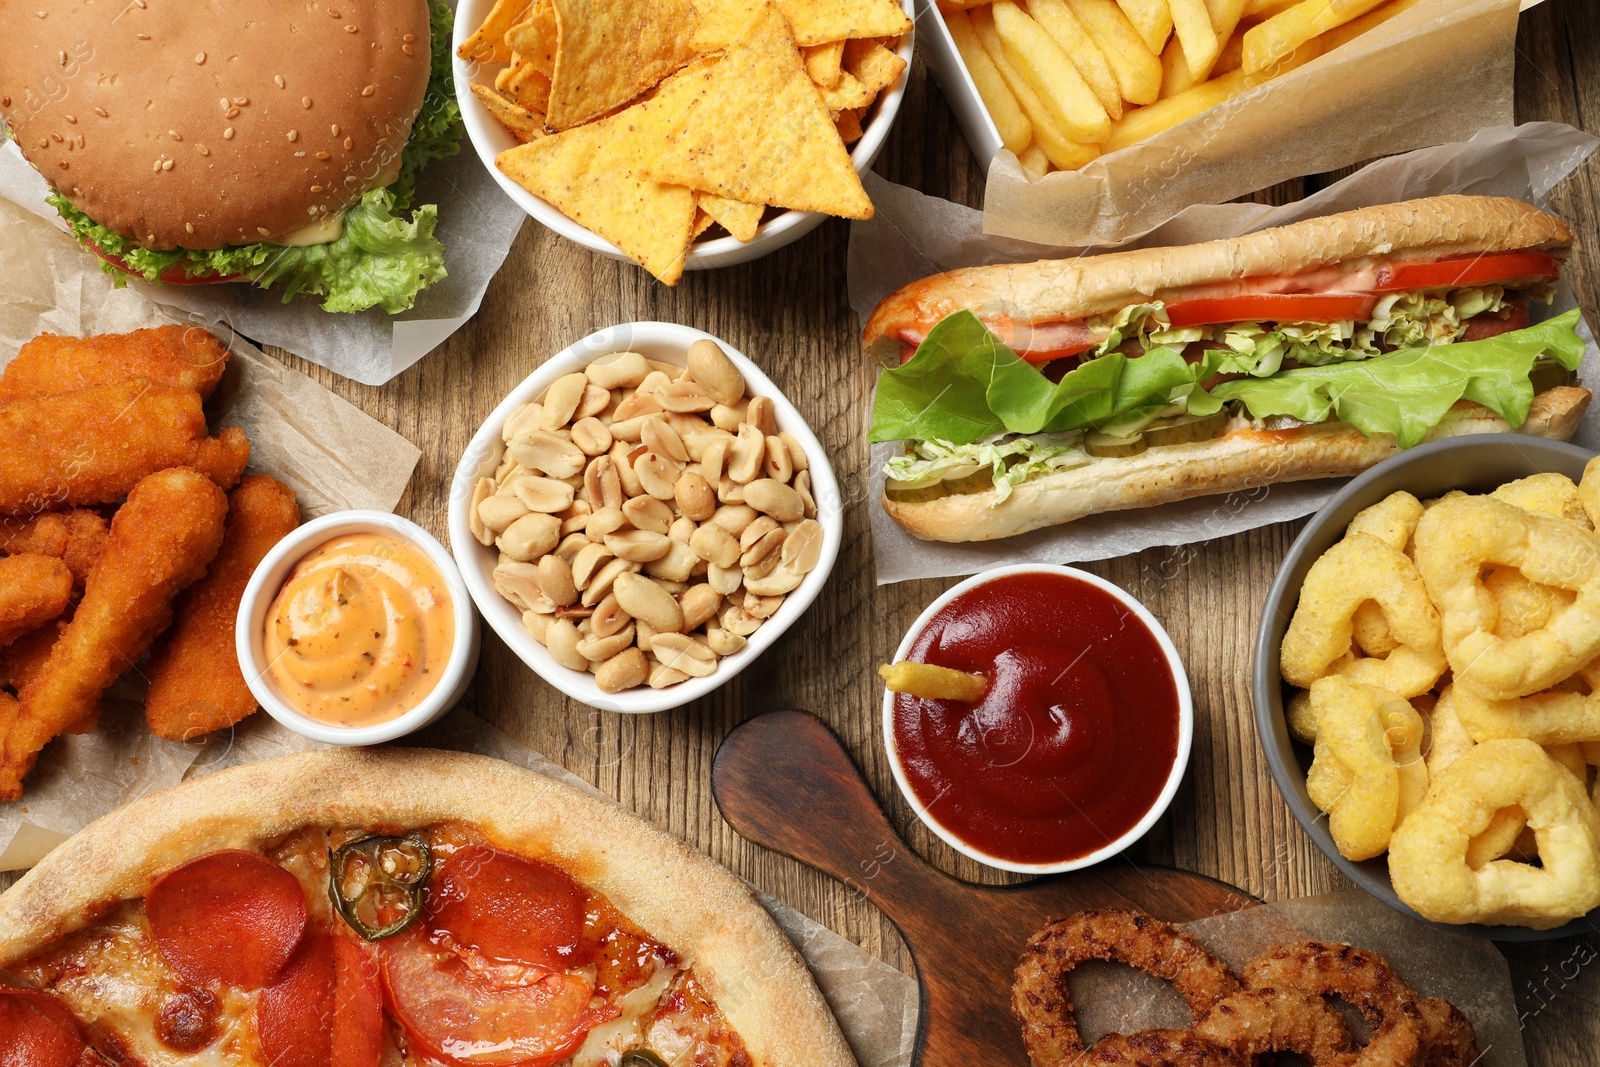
490 138
269 576
950 71
1180 763
667 343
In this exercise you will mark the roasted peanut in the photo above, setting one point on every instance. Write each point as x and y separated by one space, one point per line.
658 474
681 529
735 518
725 580
638 546
608 617
591 436
555 581
561 638
763 415
715 545
802 549
758 528
727 416
662 676
482 489
571 544
699 603
648 513
778 466
543 494
599 649
602 483
736 620
772 497
588 562
680 652
797 453
746 453
762 607
802 485
684 396
657 436
713 460
762 567
625 670
644 599
524 420
547 453
625 370
774 583
675 565
730 491
644 633
595 400
500 510
530 536
723 642
715 372
536 624
622 458
600 585
518 583
575 518
656 380
694 496
637 406
603 521
561 400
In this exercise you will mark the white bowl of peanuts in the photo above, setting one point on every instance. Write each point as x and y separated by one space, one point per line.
595 544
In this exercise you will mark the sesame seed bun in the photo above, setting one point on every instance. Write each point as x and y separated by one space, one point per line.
202 123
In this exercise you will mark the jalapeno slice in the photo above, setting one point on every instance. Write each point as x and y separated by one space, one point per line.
641 1058
376 883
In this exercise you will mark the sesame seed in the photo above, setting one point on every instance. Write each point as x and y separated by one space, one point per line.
350 28
408 38
199 57
102 112
142 36
349 143
5 101
279 79
157 167
305 101
231 113
227 134
202 149
406 49
300 155
80 141
241 101
57 138
175 135
223 102
367 91
62 164
150 238
63 56
322 155
333 13
316 188
294 135
263 231
334 129
188 227
166 164
44 142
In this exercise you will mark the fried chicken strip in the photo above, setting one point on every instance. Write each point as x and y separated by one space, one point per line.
33 590
93 446
186 357
23 659
162 539
196 685
74 537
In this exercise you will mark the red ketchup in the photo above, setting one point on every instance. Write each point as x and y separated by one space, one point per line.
1075 737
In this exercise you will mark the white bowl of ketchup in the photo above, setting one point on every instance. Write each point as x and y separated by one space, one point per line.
410 664
1081 739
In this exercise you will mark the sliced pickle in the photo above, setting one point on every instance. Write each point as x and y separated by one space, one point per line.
1186 430
1549 374
981 482
920 495
1104 446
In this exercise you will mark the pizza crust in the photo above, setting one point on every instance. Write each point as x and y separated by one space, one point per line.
676 894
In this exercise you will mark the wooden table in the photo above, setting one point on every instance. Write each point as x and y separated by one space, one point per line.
789 312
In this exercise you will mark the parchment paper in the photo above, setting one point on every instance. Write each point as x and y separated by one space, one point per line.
914 235
328 451
1433 73
1468 972
477 223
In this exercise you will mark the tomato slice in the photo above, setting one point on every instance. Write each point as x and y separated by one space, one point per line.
1272 307
1469 270
357 1005
506 908
174 275
1034 342
463 1018
232 917
36 1031
293 1016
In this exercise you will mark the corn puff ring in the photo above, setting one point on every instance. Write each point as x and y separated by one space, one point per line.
1363 978
1302 720
1376 739
1391 520
1555 717
1589 490
1449 740
1521 606
1546 494
1271 1020
1456 539
1428 853
1318 641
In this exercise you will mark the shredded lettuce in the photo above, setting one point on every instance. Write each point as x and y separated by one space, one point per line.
1011 460
382 259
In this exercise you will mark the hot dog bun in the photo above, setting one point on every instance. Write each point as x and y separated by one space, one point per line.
1071 289
1240 460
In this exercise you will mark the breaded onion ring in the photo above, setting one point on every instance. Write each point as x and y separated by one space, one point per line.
1272 1020
1361 977
1448 1039
1039 995
1155 1048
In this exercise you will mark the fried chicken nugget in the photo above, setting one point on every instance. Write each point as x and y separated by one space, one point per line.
93 446
74 537
183 356
23 659
33 590
196 685
161 541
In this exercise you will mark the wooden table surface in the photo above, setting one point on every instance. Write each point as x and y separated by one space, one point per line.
790 314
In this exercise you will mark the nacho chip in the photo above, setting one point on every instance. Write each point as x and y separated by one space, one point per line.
737 217
848 95
702 223
610 51
849 125
820 21
823 63
874 66
750 126
591 174
488 42
524 125
524 86
534 38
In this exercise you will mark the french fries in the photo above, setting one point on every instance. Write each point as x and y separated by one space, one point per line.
1068 80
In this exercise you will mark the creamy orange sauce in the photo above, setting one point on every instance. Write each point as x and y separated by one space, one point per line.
361 630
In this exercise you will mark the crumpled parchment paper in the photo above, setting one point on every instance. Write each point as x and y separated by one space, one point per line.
333 455
1429 75
914 235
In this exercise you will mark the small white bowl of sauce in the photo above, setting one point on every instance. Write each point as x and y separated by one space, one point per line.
357 629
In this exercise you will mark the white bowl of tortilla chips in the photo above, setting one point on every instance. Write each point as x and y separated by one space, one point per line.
710 112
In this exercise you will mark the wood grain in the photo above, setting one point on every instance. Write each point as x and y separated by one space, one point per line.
789 313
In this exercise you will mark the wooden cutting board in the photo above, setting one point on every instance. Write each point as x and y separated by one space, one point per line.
784 781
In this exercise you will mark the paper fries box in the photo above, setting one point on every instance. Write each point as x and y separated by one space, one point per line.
1433 74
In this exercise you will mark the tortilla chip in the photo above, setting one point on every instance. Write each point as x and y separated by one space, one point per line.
702 223
525 86
819 21
534 38
823 63
524 125
488 42
723 21
737 217
610 51
591 174
848 95
874 66
750 126
849 125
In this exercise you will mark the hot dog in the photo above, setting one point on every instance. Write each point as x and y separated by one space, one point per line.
1037 393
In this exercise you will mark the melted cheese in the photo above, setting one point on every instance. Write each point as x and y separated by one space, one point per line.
324 231
607 1042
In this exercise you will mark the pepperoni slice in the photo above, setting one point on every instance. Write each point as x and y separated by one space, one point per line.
293 1015
462 1018
357 1005
506 908
36 1031
232 917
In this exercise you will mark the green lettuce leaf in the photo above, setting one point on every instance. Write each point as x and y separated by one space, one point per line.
380 260
963 384
1407 393
1011 460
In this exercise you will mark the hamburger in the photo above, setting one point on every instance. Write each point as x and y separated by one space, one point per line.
1038 393
189 142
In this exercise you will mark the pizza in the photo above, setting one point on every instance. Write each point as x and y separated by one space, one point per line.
395 908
